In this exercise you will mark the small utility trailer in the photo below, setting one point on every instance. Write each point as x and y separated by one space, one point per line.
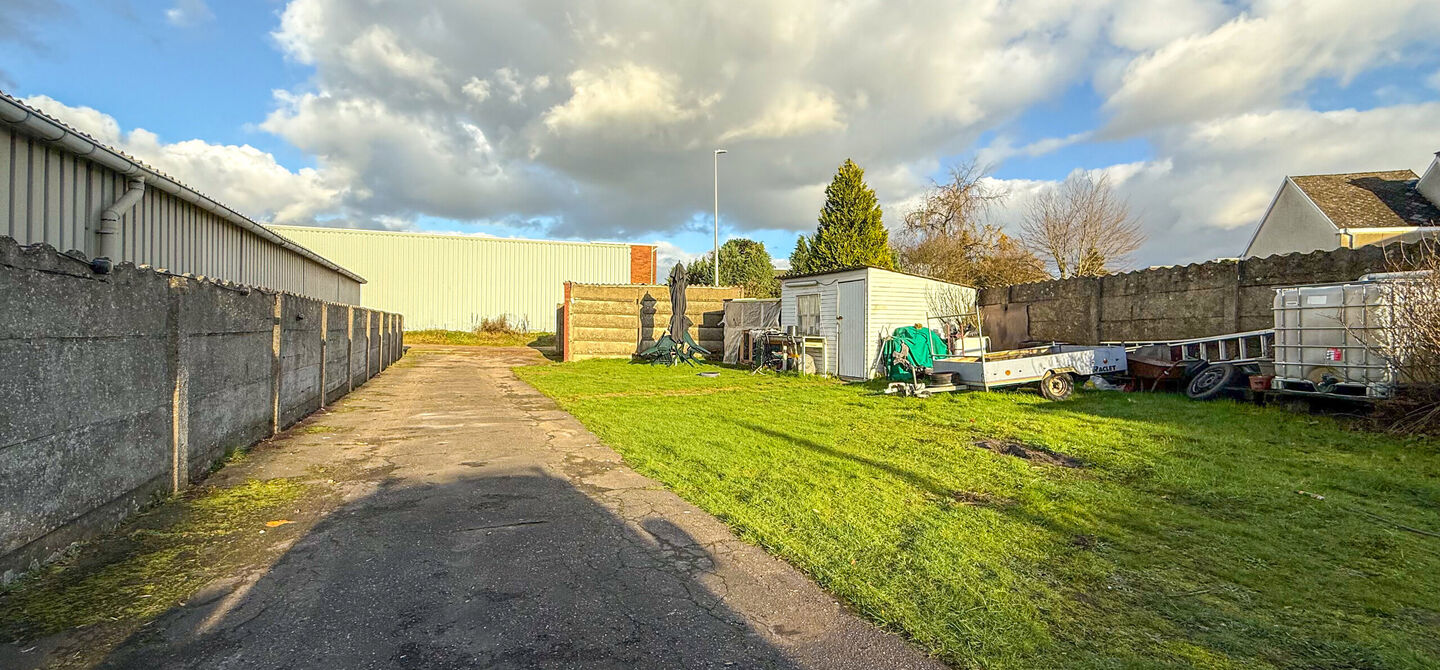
1055 368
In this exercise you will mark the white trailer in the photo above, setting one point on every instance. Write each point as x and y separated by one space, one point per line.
1053 367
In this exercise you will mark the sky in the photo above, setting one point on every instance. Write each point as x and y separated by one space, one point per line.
597 120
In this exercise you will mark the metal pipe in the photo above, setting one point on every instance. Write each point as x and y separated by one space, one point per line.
109 242
717 215
36 124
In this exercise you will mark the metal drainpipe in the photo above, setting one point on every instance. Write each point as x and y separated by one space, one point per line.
110 218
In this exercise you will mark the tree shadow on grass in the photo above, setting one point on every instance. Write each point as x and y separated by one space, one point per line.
916 480
515 570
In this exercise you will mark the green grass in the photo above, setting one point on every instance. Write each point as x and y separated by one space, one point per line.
157 560
1182 542
480 338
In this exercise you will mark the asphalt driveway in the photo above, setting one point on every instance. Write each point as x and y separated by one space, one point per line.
477 525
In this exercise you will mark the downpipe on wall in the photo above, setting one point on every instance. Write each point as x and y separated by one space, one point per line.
109 240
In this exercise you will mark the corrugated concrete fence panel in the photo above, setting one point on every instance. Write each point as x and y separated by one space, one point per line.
119 386
337 351
226 339
456 281
1171 303
300 343
85 395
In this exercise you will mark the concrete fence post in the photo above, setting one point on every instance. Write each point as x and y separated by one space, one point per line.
275 370
367 344
1234 315
324 344
1099 310
180 393
349 348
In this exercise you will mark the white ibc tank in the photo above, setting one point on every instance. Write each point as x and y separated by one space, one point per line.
1327 338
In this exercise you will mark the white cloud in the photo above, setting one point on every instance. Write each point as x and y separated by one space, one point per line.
1142 25
597 121
610 112
1004 147
1204 197
241 177
478 89
189 13
798 112
667 255
1263 60
378 55
630 96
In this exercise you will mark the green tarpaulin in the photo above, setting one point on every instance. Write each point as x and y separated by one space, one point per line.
919 342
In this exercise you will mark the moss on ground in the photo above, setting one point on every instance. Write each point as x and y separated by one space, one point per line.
153 563
480 338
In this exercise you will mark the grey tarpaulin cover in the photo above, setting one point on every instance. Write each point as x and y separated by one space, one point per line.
747 314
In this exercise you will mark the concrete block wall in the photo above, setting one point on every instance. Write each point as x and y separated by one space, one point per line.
618 320
1169 303
120 387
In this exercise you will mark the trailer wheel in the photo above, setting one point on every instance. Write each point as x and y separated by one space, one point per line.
1210 382
1057 385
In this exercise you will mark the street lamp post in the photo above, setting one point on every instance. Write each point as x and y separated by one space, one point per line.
717 214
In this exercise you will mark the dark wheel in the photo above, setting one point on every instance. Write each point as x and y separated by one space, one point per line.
1209 383
1057 385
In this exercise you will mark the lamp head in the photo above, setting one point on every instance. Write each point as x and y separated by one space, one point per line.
720 151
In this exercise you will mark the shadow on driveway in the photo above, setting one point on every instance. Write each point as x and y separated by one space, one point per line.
510 570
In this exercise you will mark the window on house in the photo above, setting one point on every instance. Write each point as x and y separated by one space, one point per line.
807 308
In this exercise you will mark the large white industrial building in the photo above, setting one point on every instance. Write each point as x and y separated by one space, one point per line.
456 281
61 187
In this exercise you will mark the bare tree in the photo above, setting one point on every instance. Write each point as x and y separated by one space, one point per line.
946 236
1408 336
961 203
1082 228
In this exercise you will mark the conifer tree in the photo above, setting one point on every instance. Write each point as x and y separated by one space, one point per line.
851 232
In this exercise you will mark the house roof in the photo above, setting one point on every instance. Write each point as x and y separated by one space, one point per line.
1370 199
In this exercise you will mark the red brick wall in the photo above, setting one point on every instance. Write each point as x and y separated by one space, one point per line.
565 334
642 264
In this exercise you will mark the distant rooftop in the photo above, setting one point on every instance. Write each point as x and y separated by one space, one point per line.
1370 199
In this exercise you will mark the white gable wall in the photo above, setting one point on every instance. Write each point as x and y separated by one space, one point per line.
1429 185
1293 223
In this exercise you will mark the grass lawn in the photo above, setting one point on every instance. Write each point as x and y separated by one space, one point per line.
480 338
1181 540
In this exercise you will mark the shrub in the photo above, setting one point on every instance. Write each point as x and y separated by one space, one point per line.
1410 338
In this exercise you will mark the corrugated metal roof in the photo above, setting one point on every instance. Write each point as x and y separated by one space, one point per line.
82 144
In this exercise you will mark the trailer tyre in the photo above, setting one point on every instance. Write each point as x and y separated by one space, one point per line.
1057 385
1210 382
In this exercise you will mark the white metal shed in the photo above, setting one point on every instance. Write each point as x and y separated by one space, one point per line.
854 310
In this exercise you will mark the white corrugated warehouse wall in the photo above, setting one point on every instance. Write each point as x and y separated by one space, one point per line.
50 194
455 281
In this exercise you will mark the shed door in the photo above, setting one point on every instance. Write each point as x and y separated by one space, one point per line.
851 309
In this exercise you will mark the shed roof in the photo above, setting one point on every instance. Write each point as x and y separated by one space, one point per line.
1370 199
805 275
